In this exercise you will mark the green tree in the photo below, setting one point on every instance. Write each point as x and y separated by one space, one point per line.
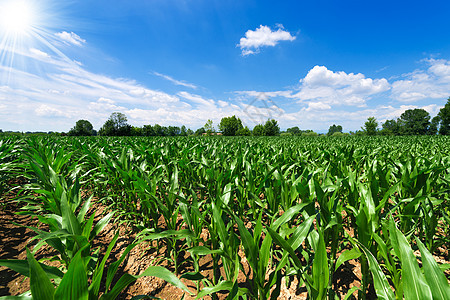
147 130
136 131
294 131
173 130
159 130
244 131
433 128
415 121
391 127
370 126
200 131
333 129
444 115
230 125
271 128
209 127
116 125
82 128
258 130
183 131
309 133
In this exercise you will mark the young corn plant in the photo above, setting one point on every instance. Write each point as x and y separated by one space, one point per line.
78 282
409 279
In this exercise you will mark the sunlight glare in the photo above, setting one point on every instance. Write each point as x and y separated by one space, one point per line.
16 16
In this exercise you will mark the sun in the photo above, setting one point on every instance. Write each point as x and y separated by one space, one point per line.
16 16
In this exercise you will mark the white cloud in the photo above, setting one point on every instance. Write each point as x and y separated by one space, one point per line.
38 53
320 76
105 105
176 82
265 95
70 38
49 111
440 68
263 37
338 88
432 83
317 106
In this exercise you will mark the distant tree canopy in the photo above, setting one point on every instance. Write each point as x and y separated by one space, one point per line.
333 129
370 126
158 130
116 125
411 122
244 131
258 130
434 125
209 127
415 121
82 128
294 131
200 131
444 119
230 126
391 127
271 128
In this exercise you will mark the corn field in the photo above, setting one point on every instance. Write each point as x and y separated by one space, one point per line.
274 209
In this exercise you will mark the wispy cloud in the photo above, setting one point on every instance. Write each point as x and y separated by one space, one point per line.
263 37
70 38
67 92
175 81
433 82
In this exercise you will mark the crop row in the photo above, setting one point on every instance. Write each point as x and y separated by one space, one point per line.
282 208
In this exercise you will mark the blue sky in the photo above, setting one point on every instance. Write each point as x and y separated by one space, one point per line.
309 64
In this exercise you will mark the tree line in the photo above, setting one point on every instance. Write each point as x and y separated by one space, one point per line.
117 125
411 122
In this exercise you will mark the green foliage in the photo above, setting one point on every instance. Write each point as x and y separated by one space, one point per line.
244 131
258 130
433 129
370 126
333 129
200 131
271 128
82 128
209 127
230 126
415 121
136 131
392 127
309 133
183 131
444 116
263 209
294 131
116 125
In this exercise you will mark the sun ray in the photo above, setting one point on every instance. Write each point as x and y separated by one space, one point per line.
25 26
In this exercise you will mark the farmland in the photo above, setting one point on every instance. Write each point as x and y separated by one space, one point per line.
265 212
